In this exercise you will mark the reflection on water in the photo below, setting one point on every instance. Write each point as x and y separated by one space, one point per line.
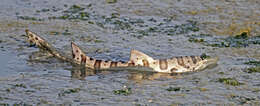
134 75
6 62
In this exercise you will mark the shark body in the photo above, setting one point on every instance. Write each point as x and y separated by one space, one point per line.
137 59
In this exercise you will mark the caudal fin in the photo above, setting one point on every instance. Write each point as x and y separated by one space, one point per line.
35 39
77 54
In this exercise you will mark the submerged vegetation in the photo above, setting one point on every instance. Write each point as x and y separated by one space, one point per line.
241 40
241 99
140 27
230 81
136 27
255 69
125 91
255 63
111 1
176 89
69 91
173 89
29 18
20 85
65 32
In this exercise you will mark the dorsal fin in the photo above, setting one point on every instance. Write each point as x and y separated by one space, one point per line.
140 58
77 54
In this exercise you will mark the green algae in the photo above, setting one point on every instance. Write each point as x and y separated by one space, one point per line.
253 69
8 90
173 89
196 40
125 91
74 9
43 10
230 81
74 12
73 90
20 85
69 91
221 73
241 99
65 32
238 41
3 104
29 18
177 89
111 1
243 35
136 27
255 63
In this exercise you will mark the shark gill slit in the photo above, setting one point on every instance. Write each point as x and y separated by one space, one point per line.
180 61
146 63
187 62
194 60
163 64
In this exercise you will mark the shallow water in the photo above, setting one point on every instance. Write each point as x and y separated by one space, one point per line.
159 28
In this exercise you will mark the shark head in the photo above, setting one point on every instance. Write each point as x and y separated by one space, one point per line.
206 62
175 64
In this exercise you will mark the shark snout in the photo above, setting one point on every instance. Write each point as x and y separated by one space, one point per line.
211 62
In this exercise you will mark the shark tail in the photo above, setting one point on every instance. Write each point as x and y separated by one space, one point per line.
41 43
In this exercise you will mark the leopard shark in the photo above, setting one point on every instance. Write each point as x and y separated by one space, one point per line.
137 59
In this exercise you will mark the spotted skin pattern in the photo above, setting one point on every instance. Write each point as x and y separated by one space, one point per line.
173 65
137 58
80 57
34 39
